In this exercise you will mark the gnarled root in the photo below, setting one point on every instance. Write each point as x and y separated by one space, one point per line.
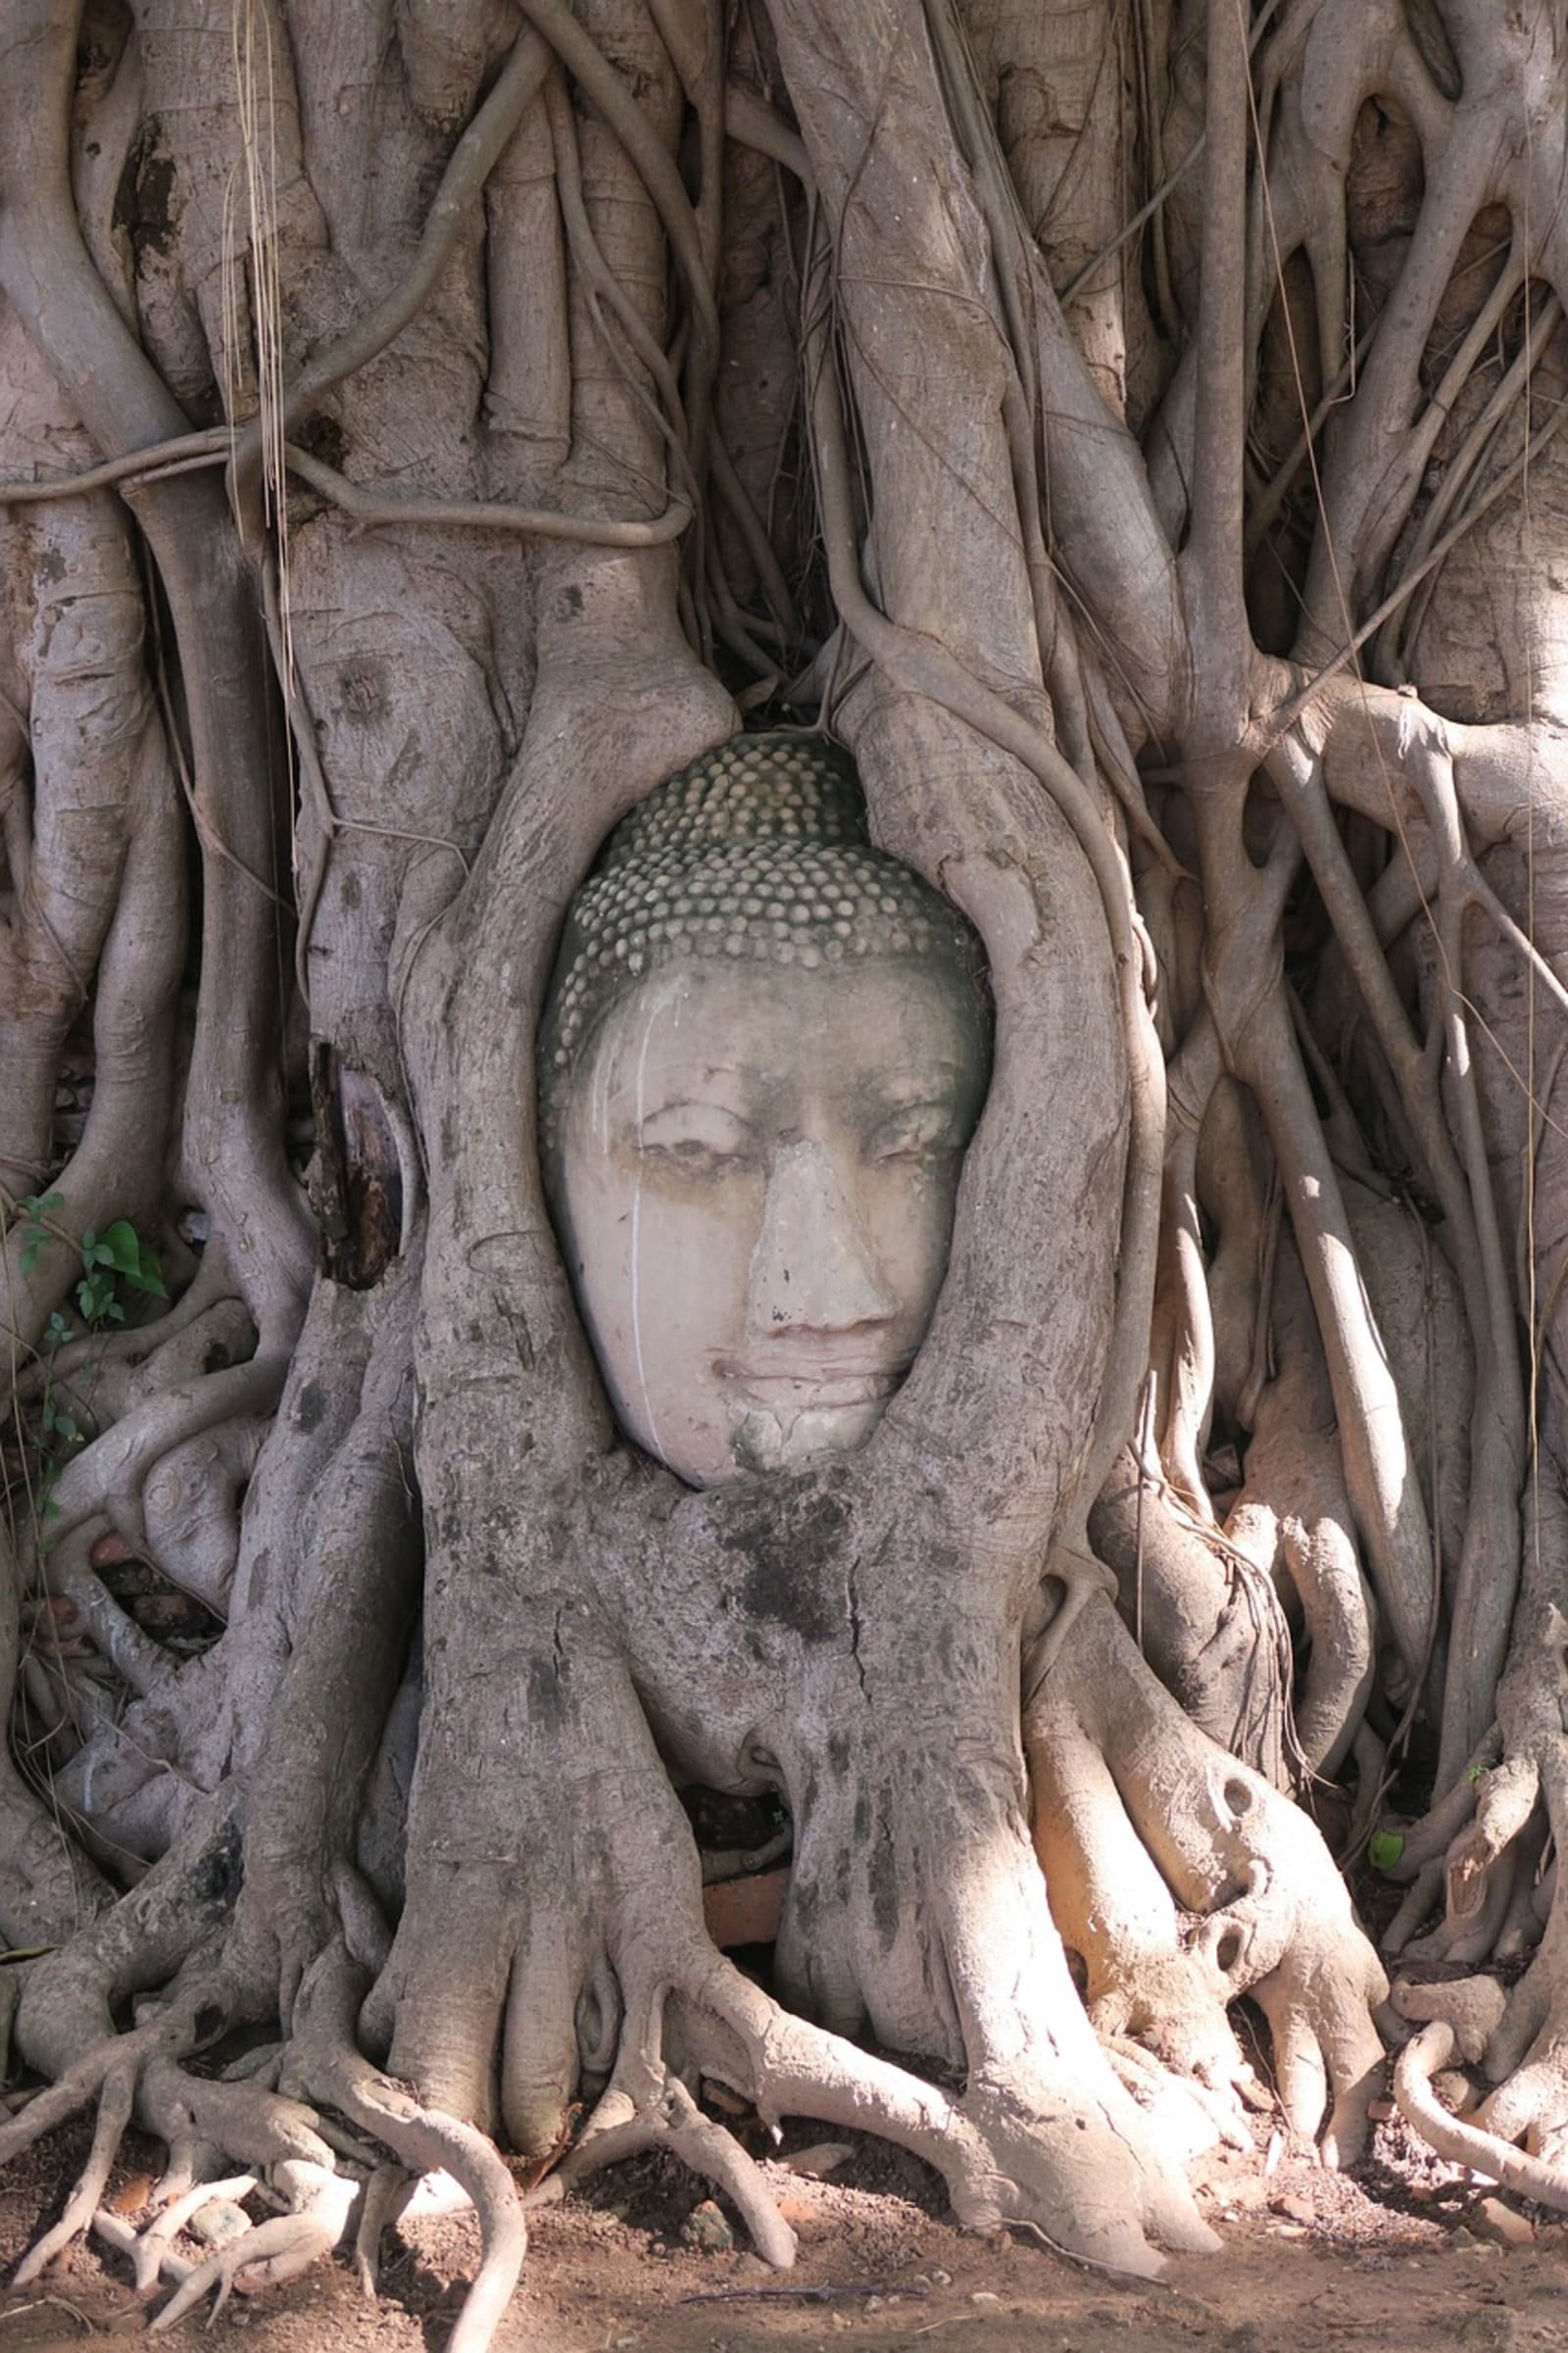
1464 2142
671 2120
1185 1881
595 1952
423 2140
1485 1842
270 2253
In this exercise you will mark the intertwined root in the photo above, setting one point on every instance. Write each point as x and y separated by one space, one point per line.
1519 2040
1184 1879
279 2116
1065 2156
1067 2160
1531 2105
1489 1848
316 2194
1196 1879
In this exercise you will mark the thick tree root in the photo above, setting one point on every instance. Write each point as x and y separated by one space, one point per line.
1140 1819
421 2139
113 2115
268 2254
77 2086
1460 2141
149 2248
672 2120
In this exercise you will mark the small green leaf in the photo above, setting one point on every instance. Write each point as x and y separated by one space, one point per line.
1385 1849
147 1274
95 1294
121 1248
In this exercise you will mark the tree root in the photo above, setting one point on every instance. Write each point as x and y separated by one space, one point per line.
1159 1817
672 2120
149 2248
295 2144
268 2254
116 2233
386 2194
421 2139
1463 2143
113 2115
80 2084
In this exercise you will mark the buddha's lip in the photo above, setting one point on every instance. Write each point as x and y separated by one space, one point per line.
814 1385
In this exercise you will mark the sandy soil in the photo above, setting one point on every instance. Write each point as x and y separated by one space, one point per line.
1385 2258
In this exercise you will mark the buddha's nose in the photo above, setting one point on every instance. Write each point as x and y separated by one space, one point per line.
813 1265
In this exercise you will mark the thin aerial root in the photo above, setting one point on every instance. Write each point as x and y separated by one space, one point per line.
1371 1763
386 2194
1425 2056
113 2115
147 2252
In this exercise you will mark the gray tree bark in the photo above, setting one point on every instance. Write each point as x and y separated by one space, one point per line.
425 428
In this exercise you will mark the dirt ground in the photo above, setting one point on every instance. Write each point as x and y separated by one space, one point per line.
1389 2257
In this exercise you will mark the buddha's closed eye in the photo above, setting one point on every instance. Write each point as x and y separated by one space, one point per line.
917 1131
700 1137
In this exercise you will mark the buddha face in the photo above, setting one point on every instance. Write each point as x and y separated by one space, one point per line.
755 1180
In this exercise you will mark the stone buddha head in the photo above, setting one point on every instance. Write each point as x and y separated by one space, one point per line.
765 1048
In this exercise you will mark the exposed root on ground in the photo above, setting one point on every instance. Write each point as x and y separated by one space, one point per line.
1235 1263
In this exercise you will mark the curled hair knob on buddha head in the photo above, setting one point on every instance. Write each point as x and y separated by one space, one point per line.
765 1047
756 851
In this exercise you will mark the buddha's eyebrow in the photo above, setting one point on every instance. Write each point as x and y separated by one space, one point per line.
918 1081
684 1096
684 1101
683 1081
